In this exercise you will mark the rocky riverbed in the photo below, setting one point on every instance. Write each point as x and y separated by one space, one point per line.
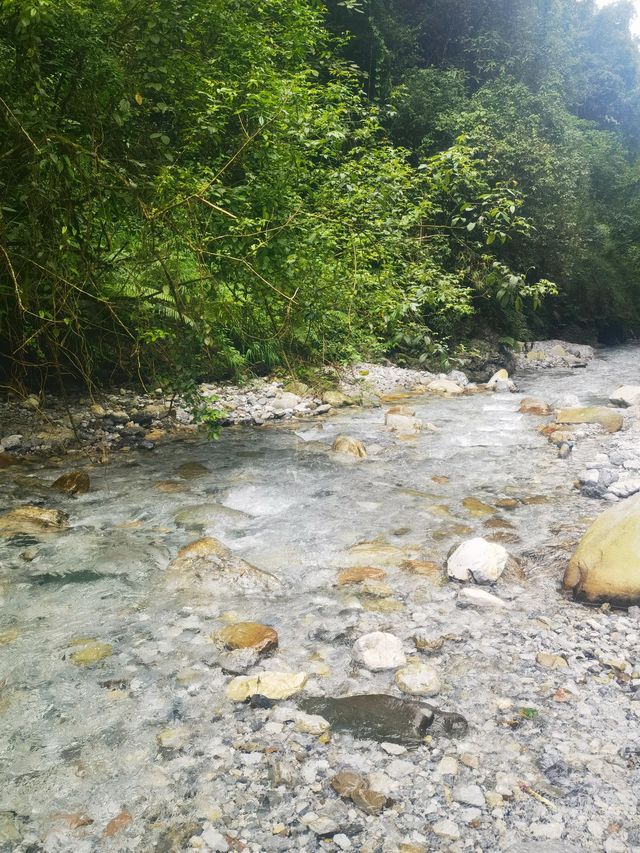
184 633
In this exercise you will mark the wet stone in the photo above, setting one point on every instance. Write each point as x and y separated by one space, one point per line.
73 483
249 635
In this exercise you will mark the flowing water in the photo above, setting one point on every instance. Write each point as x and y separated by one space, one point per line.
85 738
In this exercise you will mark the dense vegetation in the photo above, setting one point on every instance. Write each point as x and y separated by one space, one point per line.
194 187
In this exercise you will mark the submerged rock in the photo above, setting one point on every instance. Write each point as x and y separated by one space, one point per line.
210 565
385 718
401 419
192 470
533 406
249 635
351 446
477 560
359 574
73 483
354 787
32 519
608 419
606 564
91 652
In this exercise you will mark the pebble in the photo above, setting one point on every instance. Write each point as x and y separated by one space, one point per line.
470 795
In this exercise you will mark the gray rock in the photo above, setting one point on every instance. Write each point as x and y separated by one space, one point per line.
470 795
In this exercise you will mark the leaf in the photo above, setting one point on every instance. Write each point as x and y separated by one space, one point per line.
138 98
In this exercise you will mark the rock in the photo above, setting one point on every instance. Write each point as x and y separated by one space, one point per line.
610 420
336 399
477 560
73 483
285 401
312 724
447 766
550 661
606 564
175 738
477 507
378 651
358 574
533 406
426 568
446 829
170 487
249 635
347 783
444 386
32 402
97 410
214 840
470 795
354 787
626 395
32 519
10 442
117 824
402 423
7 460
471 596
273 685
192 470
418 679
207 564
350 446
91 652
387 719
498 377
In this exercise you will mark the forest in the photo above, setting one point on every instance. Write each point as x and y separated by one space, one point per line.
217 188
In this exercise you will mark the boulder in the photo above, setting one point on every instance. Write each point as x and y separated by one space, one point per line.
192 470
378 651
32 519
273 685
399 421
534 406
606 564
350 446
444 386
626 395
10 442
285 401
418 679
249 635
609 419
477 560
73 483
337 399
207 564
359 574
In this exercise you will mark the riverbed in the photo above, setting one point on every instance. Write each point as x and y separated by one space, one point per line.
140 749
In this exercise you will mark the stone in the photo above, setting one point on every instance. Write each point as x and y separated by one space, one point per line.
418 679
551 661
402 423
97 410
358 574
470 596
446 387
311 724
447 766
477 507
273 685
91 652
350 446
73 483
32 519
170 487
446 829
534 406
605 567
477 560
608 419
378 651
384 718
117 824
10 442
425 568
499 376
7 459
175 738
626 395
354 787
470 795
208 565
285 401
249 635
214 840
192 470
337 399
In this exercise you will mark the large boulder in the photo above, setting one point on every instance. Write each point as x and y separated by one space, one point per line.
477 560
606 564
32 519
337 399
608 419
350 446
626 395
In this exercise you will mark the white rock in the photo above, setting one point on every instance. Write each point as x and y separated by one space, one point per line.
471 596
273 685
393 748
552 830
447 766
446 829
626 395
470 795
214 840
402 423
11 441
342 841
382 784
285 401
378 651
477 560
444 386
418 679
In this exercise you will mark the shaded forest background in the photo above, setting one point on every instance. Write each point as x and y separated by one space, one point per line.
196 188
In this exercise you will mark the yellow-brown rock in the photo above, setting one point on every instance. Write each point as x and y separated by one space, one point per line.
249 635
92 652
205 547
609 419
533 406
273 685
32 519
427 568
606 564
358 574
351 446
170 487
477 507
73 483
